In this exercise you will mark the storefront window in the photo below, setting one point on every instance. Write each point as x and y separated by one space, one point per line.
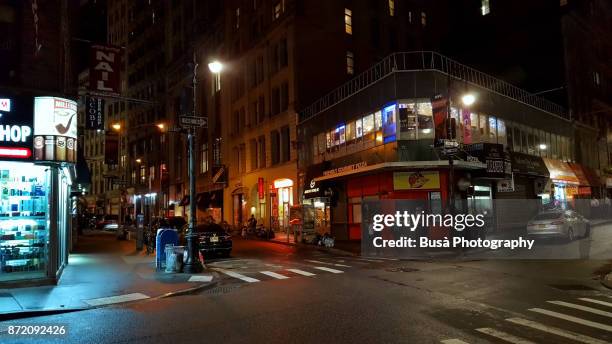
458 123
378 120
482 127
350 132
328 140
358 128
474 126
341 132
492 129
425 120
388 118
368 124
531 148
502 137
24 220
322 143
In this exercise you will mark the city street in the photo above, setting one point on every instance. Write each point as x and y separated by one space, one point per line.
274 292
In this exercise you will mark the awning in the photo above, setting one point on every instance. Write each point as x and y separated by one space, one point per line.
83 176
560 171
184 201
586 176
394 165
529 165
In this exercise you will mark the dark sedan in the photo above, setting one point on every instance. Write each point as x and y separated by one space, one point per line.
213 240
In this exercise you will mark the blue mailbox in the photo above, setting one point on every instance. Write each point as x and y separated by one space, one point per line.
164 237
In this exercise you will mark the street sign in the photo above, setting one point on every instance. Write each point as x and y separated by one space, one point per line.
450 151
193 122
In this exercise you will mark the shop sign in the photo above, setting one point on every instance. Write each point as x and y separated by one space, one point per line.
528 164
261 191
467 126
493 156
419 180
104 69
505 185
313 189
55 129
352 167
560 171
219 174
439 106
94 109
16 123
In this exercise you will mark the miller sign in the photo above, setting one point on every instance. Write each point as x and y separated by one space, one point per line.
104 69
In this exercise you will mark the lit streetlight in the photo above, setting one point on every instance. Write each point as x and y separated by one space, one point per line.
215 67
116 126
138 161
468 99
542 146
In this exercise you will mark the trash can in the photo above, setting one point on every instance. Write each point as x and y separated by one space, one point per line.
180 254
170 258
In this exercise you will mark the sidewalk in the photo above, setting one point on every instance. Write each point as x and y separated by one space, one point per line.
101 271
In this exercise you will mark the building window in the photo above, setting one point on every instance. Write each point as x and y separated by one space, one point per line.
284 96
278 9
285 144
596 79
392 8
242 156
423 18
275 146
275 101
237 18
348 21
350 63
485 8
204 158
253 154
261 157
143 174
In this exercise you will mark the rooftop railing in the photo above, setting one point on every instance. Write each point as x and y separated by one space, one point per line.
428 61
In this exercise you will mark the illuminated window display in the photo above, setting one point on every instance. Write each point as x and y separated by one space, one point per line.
24 218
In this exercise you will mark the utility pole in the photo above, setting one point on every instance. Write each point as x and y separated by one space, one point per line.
192 263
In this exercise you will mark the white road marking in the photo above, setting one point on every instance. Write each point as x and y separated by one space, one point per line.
238 276
301 272
116 299
603 303
573 319
326 263
556 331
328 269
453 341
368 260
274 274
383 258
504 336
200 278
582 308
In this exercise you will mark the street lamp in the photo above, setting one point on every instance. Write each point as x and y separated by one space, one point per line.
138 160
542 146
116 126
192 261
468 99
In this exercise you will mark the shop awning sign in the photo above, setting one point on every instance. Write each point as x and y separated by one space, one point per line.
560 171
418 180
528 164
16 128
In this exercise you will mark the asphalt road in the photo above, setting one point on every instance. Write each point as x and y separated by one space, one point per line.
273 293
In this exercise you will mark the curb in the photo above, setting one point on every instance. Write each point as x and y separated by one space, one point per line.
54 311
311 247
606 280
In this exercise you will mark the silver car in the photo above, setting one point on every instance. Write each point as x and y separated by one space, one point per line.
566 224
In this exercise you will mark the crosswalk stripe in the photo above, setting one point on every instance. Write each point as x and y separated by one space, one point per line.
453 341
603 303
573 319
239 276
274 274
328 269
504 336
557 331
301 272
326 263
582 308
368 260
383 258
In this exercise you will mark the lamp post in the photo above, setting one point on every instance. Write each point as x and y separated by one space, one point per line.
192 261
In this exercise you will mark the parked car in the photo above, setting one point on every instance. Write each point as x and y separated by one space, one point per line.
566 224
108 223
212 239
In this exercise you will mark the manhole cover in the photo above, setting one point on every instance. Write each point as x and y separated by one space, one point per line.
571 287
402 269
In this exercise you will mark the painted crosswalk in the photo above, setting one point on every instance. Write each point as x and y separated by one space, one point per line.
585 318
116 299
301 272
274 274
327 263
328 269
238 276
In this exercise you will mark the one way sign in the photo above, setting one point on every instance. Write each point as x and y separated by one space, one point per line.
193 122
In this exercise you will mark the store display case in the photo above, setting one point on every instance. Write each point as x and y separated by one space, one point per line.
24 218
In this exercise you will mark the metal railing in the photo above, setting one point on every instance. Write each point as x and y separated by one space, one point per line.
427 61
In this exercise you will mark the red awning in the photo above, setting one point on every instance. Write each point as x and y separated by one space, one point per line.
585 175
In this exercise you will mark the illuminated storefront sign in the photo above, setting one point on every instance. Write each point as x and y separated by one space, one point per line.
55 129
15 128
419 180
